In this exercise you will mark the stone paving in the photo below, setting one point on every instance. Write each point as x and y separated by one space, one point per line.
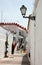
16 59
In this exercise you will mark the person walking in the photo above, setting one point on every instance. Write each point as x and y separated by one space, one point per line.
13 46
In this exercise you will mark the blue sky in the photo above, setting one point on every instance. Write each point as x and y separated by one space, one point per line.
10 9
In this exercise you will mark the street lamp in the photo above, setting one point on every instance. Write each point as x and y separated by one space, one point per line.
23 12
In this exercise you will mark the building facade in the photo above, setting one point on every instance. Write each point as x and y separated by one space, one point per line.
36 34
9 28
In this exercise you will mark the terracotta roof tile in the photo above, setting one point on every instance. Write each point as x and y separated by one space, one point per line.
14 24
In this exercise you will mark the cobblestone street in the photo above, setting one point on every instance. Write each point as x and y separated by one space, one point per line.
17 59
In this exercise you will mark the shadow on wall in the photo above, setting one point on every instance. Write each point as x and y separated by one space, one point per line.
25 60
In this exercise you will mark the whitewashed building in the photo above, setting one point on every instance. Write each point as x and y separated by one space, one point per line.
10 28
36 34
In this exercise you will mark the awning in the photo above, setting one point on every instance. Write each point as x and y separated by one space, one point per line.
12 27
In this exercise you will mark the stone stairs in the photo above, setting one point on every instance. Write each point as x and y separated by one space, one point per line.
16 59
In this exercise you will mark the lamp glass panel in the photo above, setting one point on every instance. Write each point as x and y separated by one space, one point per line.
23 11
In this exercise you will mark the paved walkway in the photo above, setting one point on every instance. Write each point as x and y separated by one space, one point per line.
16 59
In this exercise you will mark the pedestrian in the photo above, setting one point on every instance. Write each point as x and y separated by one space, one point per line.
6 46
13 46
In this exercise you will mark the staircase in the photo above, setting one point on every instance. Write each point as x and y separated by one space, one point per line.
16 59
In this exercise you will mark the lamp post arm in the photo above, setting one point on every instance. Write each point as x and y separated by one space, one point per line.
30 17
25 16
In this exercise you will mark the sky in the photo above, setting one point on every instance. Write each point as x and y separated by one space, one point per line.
10 11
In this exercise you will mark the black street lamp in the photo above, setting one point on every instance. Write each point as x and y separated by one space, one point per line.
23 12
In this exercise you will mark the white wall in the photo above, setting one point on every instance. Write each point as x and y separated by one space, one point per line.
38 53
2 42
36 35
32 41
10 40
